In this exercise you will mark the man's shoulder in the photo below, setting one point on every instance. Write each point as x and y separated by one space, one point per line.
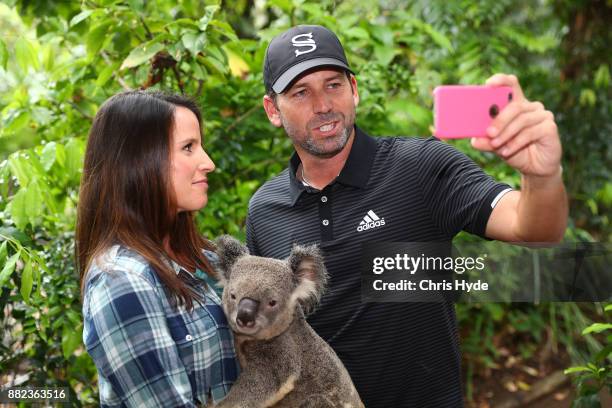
423 151
273 189
405 153
403 145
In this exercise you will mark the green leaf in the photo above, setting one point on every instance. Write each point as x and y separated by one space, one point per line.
314 10
577 369
106 74
71 339
608 308
208 15
384 54
602 76
141 54
525 39
25 54
74 158
80 17
383 34
8 269
438 37
183 22
33 202
57 322
284 5
16 121
20 168
3 252
194 42
225 29
588 97
73 316
47 157
356 32
597 328
96 37
26 281
17 208
604 353
3 55
60 155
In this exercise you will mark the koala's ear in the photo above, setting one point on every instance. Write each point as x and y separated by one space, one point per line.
306 262
229 249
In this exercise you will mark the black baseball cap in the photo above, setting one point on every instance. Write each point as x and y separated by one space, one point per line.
300 49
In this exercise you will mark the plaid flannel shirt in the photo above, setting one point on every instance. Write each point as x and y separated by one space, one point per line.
148 353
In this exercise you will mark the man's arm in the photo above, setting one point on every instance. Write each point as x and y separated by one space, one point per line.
525 136
537 213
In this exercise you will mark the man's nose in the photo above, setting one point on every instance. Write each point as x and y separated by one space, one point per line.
321 103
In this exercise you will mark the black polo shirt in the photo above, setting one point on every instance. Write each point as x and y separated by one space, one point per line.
390 189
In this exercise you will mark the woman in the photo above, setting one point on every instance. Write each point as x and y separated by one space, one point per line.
153 327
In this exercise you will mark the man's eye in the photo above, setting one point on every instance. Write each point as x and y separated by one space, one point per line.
335 85
300 94
188 147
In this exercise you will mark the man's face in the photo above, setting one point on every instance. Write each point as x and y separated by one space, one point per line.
317 112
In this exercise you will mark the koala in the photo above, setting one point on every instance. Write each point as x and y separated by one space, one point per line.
284 363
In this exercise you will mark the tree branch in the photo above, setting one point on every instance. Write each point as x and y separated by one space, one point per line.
149 34
177 74
242 117
119 79
200 87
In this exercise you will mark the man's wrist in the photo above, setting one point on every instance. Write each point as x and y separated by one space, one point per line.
542 182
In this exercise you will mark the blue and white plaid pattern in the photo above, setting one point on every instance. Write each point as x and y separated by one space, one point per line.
148 353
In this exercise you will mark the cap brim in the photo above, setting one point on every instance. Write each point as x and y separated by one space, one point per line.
288 76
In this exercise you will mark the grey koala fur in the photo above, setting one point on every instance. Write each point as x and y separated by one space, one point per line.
284 363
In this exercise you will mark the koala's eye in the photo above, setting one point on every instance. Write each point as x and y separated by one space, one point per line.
233 296
272 303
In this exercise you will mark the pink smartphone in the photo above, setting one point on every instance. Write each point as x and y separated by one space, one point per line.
462 111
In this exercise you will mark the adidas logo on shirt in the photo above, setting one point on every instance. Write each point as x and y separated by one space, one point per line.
371 220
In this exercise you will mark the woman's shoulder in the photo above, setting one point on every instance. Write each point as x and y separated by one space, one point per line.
212 257
116 265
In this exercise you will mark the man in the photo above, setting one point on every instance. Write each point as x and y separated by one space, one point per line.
398 354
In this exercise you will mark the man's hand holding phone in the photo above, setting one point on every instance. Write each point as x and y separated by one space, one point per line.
522 133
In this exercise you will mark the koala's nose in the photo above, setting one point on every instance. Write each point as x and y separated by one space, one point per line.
247 310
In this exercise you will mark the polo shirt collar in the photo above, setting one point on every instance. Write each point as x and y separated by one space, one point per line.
356 170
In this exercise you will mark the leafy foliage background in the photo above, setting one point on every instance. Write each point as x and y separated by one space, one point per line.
60 60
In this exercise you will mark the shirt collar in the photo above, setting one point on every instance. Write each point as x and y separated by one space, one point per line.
356 170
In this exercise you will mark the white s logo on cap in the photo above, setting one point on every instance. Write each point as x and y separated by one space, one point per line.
306 42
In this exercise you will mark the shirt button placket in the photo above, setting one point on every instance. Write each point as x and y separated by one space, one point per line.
325 214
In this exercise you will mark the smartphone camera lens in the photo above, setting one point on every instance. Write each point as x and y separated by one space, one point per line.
493 111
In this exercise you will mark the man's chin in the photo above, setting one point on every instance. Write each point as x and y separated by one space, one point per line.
327 154
327 148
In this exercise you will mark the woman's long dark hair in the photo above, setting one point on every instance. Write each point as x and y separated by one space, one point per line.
126 195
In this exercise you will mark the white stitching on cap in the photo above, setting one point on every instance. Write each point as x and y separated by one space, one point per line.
296 42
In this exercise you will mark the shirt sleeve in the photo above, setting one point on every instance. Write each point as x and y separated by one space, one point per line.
131 345
458 193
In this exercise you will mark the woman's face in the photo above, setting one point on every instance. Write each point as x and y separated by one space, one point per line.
189 163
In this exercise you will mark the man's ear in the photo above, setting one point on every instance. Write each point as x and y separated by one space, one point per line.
353 81
272 111
229 249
